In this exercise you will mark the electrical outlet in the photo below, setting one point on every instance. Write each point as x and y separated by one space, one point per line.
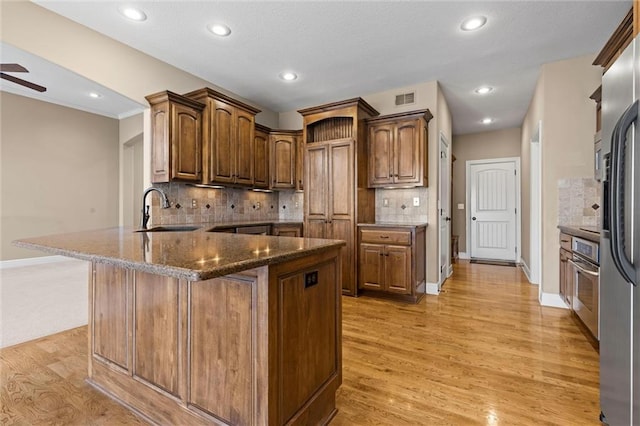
194 203
297 204
385 202
258 205
416 201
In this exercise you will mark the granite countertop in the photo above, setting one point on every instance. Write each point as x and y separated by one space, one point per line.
574 230
395 224
193 256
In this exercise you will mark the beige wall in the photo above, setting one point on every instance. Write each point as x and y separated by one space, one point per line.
562 103
59 169
477 146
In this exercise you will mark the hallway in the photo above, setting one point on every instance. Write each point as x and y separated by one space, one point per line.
483 352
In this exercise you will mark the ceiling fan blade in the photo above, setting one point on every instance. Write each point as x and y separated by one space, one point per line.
22 82
12 68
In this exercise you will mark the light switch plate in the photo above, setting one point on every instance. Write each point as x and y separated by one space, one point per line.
460 206
416 201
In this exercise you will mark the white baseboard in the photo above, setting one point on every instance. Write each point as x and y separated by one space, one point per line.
433 288
552 300
32 261
464 255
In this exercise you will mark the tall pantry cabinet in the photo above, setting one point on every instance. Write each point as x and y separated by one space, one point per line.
336 195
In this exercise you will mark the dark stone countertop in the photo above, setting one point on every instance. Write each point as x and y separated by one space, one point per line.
193 255
575 231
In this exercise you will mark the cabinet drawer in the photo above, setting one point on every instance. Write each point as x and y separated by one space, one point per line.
385 237
565 241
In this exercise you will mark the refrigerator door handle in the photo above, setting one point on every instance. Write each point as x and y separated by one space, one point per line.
616 193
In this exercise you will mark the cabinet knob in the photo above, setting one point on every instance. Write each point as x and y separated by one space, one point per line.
384 237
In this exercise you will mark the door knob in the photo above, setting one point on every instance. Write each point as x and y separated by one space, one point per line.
448 219
473 218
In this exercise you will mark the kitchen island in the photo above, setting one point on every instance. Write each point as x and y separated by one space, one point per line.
211 328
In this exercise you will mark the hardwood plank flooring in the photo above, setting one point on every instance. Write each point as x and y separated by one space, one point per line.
482 352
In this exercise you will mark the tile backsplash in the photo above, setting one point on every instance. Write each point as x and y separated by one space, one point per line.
400 206
236 204
290 207
579 202
213 205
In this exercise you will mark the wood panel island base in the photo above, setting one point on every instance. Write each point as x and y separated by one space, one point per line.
196 337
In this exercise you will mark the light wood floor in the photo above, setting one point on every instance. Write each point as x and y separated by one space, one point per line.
483 352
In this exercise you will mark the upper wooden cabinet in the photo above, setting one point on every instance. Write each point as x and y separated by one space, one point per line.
619 40
261 168
398 149
176 150
229 138
283 158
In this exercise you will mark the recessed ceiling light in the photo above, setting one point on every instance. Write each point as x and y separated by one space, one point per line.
95 95
288 76
473 23
487 120
219 29
133 13
483 90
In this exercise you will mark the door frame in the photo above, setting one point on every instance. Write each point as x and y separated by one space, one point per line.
469 163
443 275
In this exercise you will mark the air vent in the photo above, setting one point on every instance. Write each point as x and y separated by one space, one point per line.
406 98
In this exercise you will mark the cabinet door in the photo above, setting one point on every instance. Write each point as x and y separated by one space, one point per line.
344 229
222 149
186 143
407 152
244 143
315 228
316 180
160 164
371 267
261 160
397 269
341 180
283 163
380 154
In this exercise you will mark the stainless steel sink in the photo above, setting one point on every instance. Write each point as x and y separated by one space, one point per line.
170 228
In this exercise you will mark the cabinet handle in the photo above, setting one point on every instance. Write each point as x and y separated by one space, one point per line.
384 237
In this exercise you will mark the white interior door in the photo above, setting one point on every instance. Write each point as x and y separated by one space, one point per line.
444 207
493 196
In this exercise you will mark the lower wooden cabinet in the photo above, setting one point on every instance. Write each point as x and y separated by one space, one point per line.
286 229
392 261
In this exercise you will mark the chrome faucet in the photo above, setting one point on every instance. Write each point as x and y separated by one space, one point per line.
145 208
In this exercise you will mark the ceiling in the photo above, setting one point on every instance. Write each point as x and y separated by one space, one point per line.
63 86
345 49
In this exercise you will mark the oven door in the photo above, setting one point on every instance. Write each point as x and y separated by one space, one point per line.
586 293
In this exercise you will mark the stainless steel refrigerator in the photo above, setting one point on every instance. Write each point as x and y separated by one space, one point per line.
620 242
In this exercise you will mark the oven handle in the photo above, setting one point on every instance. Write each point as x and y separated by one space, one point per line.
581 269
